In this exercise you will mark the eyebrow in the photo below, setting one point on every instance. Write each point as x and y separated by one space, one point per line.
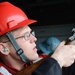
27 31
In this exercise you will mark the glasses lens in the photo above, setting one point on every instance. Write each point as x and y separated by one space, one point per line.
33 33
27 35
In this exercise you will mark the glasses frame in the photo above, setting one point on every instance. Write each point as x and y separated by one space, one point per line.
26 36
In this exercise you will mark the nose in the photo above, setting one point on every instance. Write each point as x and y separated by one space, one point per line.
33 38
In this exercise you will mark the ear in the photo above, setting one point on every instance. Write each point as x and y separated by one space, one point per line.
3 49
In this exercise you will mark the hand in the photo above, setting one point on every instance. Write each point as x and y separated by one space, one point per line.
64 54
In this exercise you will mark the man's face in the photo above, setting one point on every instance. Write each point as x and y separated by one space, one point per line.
27 43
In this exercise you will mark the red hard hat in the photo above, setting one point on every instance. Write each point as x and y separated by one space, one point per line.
12 17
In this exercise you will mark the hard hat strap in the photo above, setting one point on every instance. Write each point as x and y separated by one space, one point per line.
16 46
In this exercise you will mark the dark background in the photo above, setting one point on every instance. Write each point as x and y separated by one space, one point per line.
48 12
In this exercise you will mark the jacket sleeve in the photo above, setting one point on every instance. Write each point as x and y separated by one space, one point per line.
49 67
69 70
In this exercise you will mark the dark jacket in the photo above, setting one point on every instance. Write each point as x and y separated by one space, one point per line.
49 67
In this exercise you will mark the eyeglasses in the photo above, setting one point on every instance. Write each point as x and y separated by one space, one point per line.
26 36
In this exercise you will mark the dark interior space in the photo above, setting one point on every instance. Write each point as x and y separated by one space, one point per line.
48 12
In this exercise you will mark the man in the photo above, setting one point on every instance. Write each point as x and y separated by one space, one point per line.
17 45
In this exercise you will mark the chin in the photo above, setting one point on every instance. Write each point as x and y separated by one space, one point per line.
35 57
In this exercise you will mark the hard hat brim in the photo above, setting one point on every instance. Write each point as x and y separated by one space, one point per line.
26 23
21 24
